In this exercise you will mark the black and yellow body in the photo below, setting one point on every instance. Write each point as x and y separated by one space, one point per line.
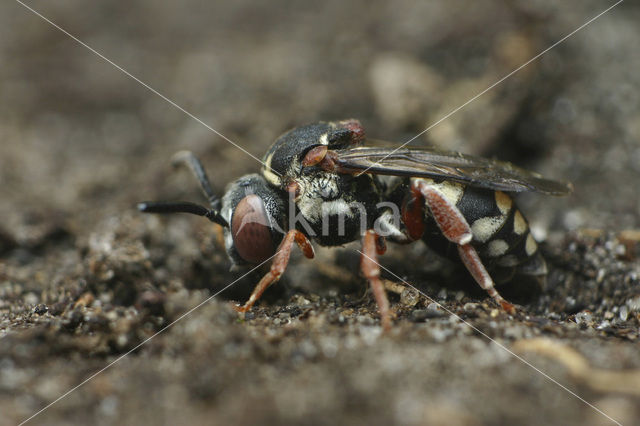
501 234
320 183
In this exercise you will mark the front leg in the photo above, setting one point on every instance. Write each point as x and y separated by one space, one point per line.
456 229
279 265
372 245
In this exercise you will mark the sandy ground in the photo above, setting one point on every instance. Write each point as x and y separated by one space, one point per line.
85 279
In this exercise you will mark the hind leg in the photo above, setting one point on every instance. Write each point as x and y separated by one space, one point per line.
455 228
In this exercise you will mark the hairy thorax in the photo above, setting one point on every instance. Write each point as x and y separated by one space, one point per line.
328 208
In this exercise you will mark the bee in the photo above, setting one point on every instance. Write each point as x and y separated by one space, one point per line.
321 183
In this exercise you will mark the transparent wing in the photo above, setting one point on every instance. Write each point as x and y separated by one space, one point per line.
435 164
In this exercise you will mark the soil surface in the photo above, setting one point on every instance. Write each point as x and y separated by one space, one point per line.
87 282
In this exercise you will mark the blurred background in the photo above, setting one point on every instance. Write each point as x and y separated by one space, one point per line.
81 138
81 142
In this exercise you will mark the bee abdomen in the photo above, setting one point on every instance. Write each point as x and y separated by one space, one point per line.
501 234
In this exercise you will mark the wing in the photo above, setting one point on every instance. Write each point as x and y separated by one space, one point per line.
435 164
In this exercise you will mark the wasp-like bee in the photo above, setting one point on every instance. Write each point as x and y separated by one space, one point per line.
320 183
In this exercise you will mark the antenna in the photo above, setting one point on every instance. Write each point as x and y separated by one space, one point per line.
182 207
213 214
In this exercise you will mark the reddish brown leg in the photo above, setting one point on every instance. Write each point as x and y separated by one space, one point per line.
456 229
472 261
449 219
280 262
371 246
413 214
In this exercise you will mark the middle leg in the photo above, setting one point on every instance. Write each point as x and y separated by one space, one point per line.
372 246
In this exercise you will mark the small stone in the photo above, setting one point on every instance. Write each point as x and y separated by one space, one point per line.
420 315
470 306
624 312
409 297
366 320
634 304
40 309
583 317
555 316
122 341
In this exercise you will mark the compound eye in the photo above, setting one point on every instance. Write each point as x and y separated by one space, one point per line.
251 230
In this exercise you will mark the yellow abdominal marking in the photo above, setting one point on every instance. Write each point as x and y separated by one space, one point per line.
497 248
519 224
503 201
531 246
484 228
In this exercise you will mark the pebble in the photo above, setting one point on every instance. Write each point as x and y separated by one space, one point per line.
409 297
624 312
470 306
432 311
634 304
442 294
555 316
365 319
583 317
40 309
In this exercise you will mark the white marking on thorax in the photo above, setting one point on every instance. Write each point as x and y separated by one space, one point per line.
268 172
310 207
335 207
315 208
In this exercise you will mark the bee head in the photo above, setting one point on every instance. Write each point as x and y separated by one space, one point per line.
306 146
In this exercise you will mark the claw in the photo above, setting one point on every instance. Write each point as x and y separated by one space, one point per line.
508 307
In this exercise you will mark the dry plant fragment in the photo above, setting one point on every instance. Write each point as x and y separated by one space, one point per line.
620 381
